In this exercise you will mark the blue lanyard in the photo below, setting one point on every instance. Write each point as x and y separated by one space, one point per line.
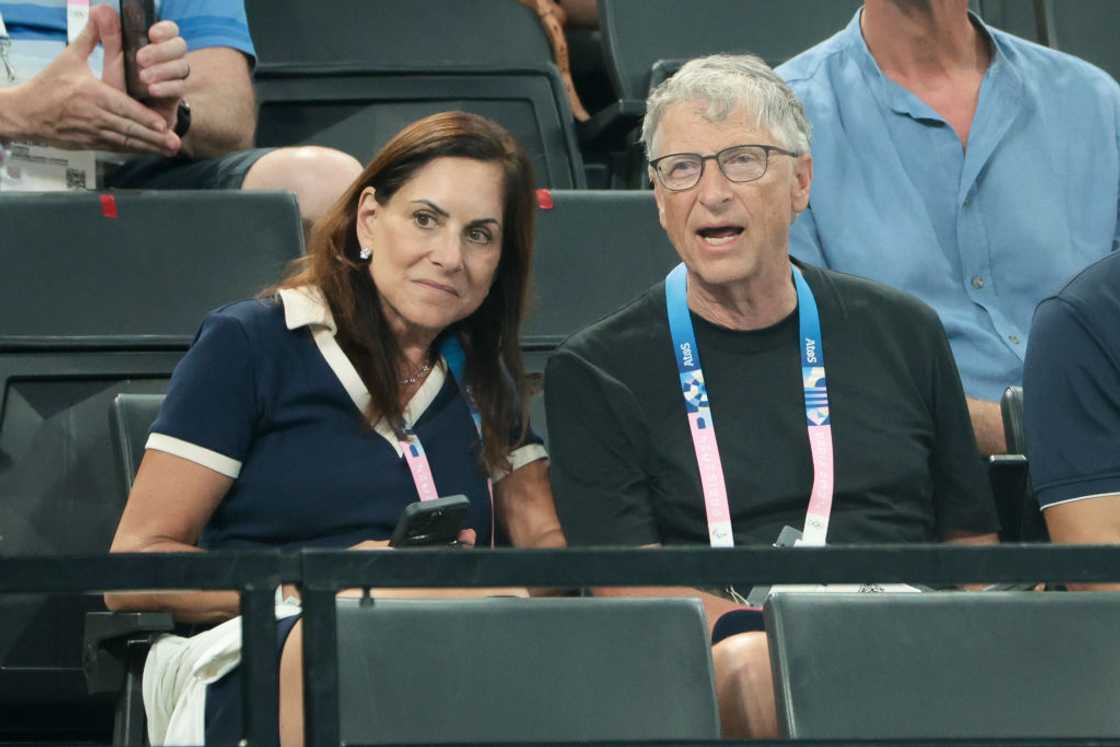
702 424
452 352
456 359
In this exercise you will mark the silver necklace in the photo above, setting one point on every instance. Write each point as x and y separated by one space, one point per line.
419 374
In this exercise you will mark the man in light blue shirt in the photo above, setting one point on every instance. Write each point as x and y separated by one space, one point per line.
971 168
70 96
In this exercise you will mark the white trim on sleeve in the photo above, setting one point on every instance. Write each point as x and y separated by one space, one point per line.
1113 494
220 463
518 458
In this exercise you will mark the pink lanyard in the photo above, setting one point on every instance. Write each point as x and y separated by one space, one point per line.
703 427
414 454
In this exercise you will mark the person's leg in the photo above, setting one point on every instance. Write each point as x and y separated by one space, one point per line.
291 689
317 176
745 687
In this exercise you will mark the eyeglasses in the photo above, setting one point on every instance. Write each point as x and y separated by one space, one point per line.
739 163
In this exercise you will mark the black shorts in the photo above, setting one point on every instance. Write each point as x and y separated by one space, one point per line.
223 698
156 172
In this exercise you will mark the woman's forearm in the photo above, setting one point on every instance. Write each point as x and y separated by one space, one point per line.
185 606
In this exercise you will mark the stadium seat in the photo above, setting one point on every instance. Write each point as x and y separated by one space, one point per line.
131 418
1011 411
325 80
639 34
595 251
1086 29
99 296
944 665
1016 17
1020 516
518 670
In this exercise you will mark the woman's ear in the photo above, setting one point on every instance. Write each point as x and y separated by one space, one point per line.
368 208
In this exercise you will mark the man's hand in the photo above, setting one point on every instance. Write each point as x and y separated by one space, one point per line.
163 68
66 106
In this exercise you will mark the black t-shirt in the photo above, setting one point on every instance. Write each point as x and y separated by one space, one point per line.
907 468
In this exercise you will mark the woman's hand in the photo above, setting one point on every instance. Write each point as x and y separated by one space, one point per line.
467 538
371 545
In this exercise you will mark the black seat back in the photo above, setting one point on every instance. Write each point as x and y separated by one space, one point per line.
1011 411
595 251
1019 514
412 59
945 665
520 670
397 33
1019 17
1086 29
638 33
99 297
131 417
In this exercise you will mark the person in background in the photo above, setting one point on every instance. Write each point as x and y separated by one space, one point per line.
963 165
194 131
1071 408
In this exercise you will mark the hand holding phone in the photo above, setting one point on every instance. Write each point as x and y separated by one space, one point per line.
431 523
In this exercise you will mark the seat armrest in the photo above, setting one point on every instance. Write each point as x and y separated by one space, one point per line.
113 639
609 128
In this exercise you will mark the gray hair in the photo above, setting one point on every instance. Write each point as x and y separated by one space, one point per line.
726 84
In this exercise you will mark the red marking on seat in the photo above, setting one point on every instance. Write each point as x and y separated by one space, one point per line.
108 206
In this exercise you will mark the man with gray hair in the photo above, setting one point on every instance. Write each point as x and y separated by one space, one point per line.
873 445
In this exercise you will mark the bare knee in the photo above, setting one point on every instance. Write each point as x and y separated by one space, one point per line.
745 686
316 176
291 689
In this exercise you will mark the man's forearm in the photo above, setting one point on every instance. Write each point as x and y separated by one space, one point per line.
987 424
223 111
217 128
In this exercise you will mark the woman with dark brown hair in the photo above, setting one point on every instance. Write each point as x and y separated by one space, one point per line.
384 369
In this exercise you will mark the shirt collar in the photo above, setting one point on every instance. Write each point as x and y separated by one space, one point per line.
891 94
306 306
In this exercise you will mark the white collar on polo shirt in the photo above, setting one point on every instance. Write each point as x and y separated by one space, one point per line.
306 307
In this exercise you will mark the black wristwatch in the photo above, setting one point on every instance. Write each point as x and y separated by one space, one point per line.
183 122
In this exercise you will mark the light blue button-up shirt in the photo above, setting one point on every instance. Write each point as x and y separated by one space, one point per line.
980 235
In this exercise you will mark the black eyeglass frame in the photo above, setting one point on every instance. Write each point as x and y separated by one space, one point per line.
767 149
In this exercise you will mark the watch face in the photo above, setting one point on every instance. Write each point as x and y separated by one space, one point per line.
183 122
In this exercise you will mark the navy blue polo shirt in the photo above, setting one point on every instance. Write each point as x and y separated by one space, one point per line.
1071 388
266 396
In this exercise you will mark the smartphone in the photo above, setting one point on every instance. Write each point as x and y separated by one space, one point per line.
428 523
137 16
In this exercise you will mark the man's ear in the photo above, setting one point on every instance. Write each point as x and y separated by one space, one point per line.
659 198
802 181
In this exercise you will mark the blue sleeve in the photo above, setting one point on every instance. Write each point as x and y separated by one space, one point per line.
211 408
210 23
804 242
1071 408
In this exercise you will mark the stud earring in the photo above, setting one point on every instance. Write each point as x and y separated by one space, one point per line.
365 253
